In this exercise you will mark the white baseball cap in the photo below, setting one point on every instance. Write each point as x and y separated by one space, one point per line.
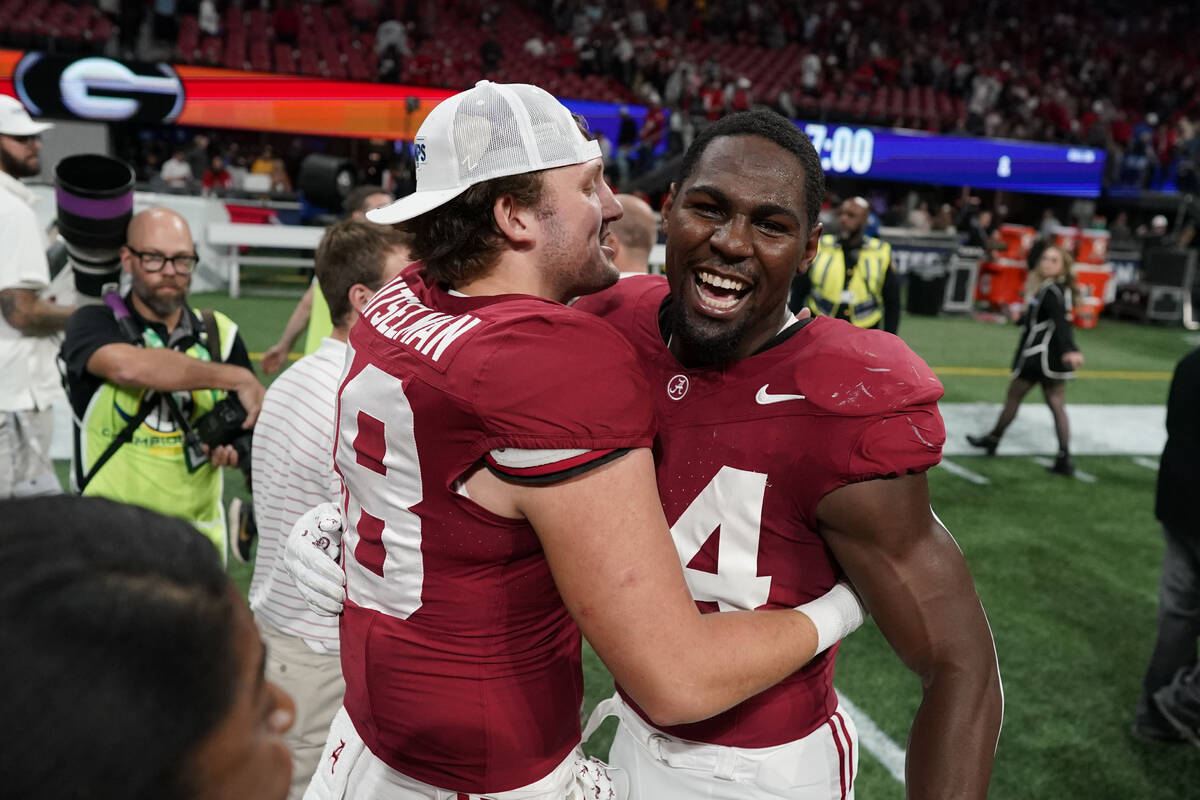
15 120
490 131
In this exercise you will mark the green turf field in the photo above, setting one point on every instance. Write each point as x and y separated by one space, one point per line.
1067 572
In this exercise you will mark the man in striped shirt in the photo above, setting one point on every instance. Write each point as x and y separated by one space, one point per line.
293 457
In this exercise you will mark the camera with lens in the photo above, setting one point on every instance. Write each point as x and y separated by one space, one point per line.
94 202
223 425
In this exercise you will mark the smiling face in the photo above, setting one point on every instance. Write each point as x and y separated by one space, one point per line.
576 208
736 236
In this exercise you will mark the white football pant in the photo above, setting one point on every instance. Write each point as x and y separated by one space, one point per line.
349 771
821 766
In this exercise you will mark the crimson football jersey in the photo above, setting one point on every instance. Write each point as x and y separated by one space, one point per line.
746 451
462 665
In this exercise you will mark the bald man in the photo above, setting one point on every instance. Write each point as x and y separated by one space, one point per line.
852 277
117 379
632 237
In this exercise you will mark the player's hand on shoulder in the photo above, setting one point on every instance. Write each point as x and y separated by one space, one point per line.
311 558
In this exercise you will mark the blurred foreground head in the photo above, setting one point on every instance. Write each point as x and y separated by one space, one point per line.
131 666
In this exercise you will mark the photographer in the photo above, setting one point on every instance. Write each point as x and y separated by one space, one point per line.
168 365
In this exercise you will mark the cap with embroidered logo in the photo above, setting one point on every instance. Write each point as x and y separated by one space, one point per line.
489 131
15 120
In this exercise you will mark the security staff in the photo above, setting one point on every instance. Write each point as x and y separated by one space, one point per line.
852 277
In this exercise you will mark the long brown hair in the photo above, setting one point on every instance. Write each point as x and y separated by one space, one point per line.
1066 280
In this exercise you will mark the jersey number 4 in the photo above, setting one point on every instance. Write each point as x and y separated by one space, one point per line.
376 454
727 515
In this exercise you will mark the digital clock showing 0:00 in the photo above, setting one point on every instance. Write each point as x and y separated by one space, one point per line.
843 149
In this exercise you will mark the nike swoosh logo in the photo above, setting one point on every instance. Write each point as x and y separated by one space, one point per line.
765 399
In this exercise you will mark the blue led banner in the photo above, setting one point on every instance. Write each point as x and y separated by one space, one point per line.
915 157
106 90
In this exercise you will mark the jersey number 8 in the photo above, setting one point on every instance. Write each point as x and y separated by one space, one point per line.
376 455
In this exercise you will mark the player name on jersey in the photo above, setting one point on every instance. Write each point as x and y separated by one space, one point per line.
399 316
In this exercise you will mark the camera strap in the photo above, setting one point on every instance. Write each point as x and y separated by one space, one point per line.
212 334
125 322
116 444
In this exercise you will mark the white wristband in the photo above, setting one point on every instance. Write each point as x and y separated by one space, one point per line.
835 614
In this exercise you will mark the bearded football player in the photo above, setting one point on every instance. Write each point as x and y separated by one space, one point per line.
790 452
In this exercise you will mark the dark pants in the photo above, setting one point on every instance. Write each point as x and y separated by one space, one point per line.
1178 616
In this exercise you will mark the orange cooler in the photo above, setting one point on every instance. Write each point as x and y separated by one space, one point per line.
1001 282
1091 284
1066 237
1017 240
1093 247
1087 313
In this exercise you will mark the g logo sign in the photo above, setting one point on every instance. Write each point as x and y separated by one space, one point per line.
98 89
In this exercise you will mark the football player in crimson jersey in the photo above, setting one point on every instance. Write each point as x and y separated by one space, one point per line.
789 451
494 447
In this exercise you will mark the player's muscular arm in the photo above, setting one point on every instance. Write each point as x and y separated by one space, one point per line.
172 371
31 315
612 557
914 581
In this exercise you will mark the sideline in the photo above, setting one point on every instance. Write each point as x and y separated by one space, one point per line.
1101 374
963 472
1096 430
1080 475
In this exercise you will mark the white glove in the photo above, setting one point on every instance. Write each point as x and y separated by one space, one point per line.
835 614
311 558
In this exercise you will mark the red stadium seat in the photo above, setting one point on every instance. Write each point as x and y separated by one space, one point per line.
284 60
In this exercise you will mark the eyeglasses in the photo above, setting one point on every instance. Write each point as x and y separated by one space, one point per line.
184 263
26 140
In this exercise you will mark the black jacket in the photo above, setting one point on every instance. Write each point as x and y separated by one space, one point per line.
1046 334
1179 471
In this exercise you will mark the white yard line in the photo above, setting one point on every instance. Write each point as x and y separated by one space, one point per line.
875 741
1148 463
964 473
1080 475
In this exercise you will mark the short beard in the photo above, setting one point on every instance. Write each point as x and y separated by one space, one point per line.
572 278
15 168
163 308
704 349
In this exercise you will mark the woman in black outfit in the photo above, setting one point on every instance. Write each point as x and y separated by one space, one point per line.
1046 354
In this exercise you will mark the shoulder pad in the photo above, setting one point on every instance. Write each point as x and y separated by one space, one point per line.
849 371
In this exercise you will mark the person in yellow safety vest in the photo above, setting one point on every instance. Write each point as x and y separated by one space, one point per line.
852 276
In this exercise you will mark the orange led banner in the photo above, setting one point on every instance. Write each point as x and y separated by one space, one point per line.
106 90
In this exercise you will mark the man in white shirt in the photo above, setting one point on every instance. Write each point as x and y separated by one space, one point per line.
29 325
177 172
293 471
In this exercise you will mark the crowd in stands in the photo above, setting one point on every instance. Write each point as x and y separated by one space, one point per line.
1103 74
229 164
